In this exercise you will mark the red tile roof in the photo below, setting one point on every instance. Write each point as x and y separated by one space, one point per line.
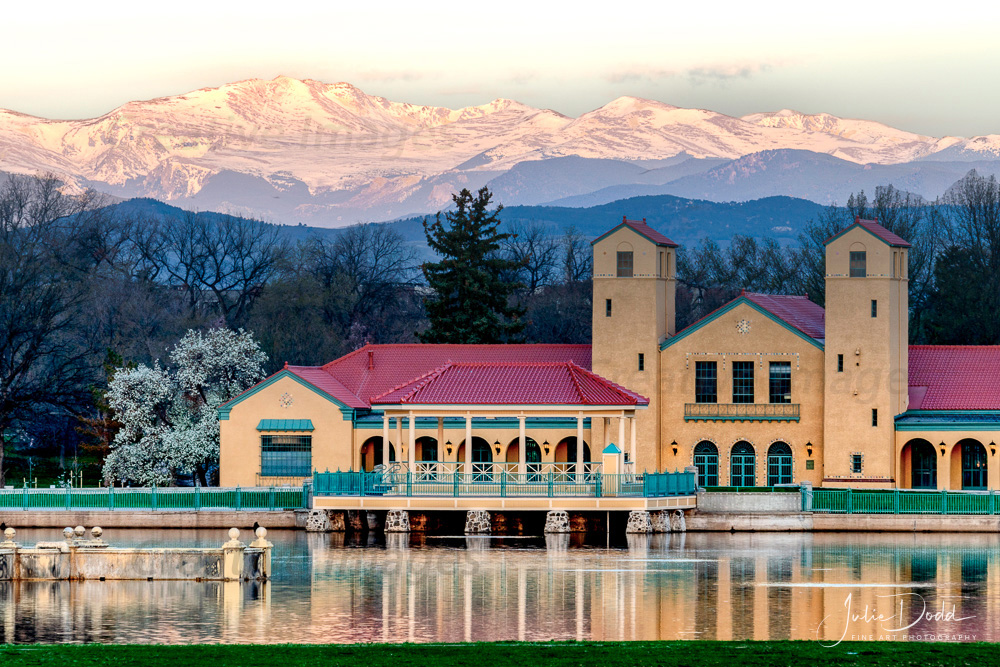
797 311
954 377
876 229
640 227
510 383
375 369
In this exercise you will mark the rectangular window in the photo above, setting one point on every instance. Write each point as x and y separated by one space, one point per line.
642 361
607 307
874 308
859 267
840 363
894 260
857 462
810 464
742 382
625 264
781 382
285 455
874 416
705 382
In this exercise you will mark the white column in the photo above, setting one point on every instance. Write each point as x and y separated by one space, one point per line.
522 455
385 440
631 446
467 468
621 436
412 446
399 440
579 446
607 430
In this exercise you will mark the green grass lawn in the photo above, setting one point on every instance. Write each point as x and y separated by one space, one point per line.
572 654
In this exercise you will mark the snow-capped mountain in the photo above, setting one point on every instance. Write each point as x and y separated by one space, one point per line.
292 150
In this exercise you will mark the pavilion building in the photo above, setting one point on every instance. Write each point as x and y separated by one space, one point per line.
766 390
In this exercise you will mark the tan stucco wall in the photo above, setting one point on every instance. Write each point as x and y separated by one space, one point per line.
643 310
239 456
875 353
720 341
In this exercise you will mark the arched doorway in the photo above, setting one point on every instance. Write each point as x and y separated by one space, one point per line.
742 465
974 465
706 458
482 459
532 457
565 457
779 464
371 453
923 464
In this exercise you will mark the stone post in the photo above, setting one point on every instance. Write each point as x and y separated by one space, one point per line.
397 521
232 557
661 521
612 466
477 522
318 521
8 539
556 521
677 522
265 546
806 488
639 522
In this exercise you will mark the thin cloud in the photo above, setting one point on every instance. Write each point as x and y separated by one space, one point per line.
382 76
719 73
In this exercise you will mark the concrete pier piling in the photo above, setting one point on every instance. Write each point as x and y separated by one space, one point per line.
397 521
639 521
557 521
477 522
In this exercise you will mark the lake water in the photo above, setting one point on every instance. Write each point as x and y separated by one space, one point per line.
416 589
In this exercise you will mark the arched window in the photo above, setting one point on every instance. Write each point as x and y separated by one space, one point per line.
742 465
706 458
779 464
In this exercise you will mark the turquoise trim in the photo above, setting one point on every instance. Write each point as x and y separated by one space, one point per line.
223 411
622 224
708 319
612 448
852 226
948 420
285 425
375 423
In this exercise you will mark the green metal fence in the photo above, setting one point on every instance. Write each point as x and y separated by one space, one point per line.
154 499
903 501
503 485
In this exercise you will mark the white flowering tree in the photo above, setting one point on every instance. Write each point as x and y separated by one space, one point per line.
169 417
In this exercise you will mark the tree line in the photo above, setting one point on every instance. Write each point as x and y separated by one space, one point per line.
87 292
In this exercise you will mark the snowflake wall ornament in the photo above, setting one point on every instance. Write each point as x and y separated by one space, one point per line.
285 400
743 326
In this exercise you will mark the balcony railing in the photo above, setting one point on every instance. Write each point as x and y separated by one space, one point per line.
741 412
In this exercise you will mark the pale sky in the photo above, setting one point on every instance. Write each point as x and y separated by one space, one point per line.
932 71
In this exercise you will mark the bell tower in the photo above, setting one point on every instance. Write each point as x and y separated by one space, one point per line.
866 354
634 306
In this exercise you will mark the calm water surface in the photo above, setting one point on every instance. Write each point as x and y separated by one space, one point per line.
411 588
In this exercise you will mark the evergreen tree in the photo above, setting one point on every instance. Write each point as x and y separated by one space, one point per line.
471 299
964 302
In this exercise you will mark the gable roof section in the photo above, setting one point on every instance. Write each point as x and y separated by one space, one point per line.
796 313
346 406
876 230
510 383
954 377
375 369
640 228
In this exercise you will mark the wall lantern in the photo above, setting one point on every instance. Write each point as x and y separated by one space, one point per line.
545 446
447 447
496 446
993 448
674 445
809 449
942 446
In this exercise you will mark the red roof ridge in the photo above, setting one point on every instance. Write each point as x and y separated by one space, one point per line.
422 379
576 381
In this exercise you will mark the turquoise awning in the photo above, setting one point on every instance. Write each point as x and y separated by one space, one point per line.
285 425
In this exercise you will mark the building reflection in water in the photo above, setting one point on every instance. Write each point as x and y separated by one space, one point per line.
415 588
